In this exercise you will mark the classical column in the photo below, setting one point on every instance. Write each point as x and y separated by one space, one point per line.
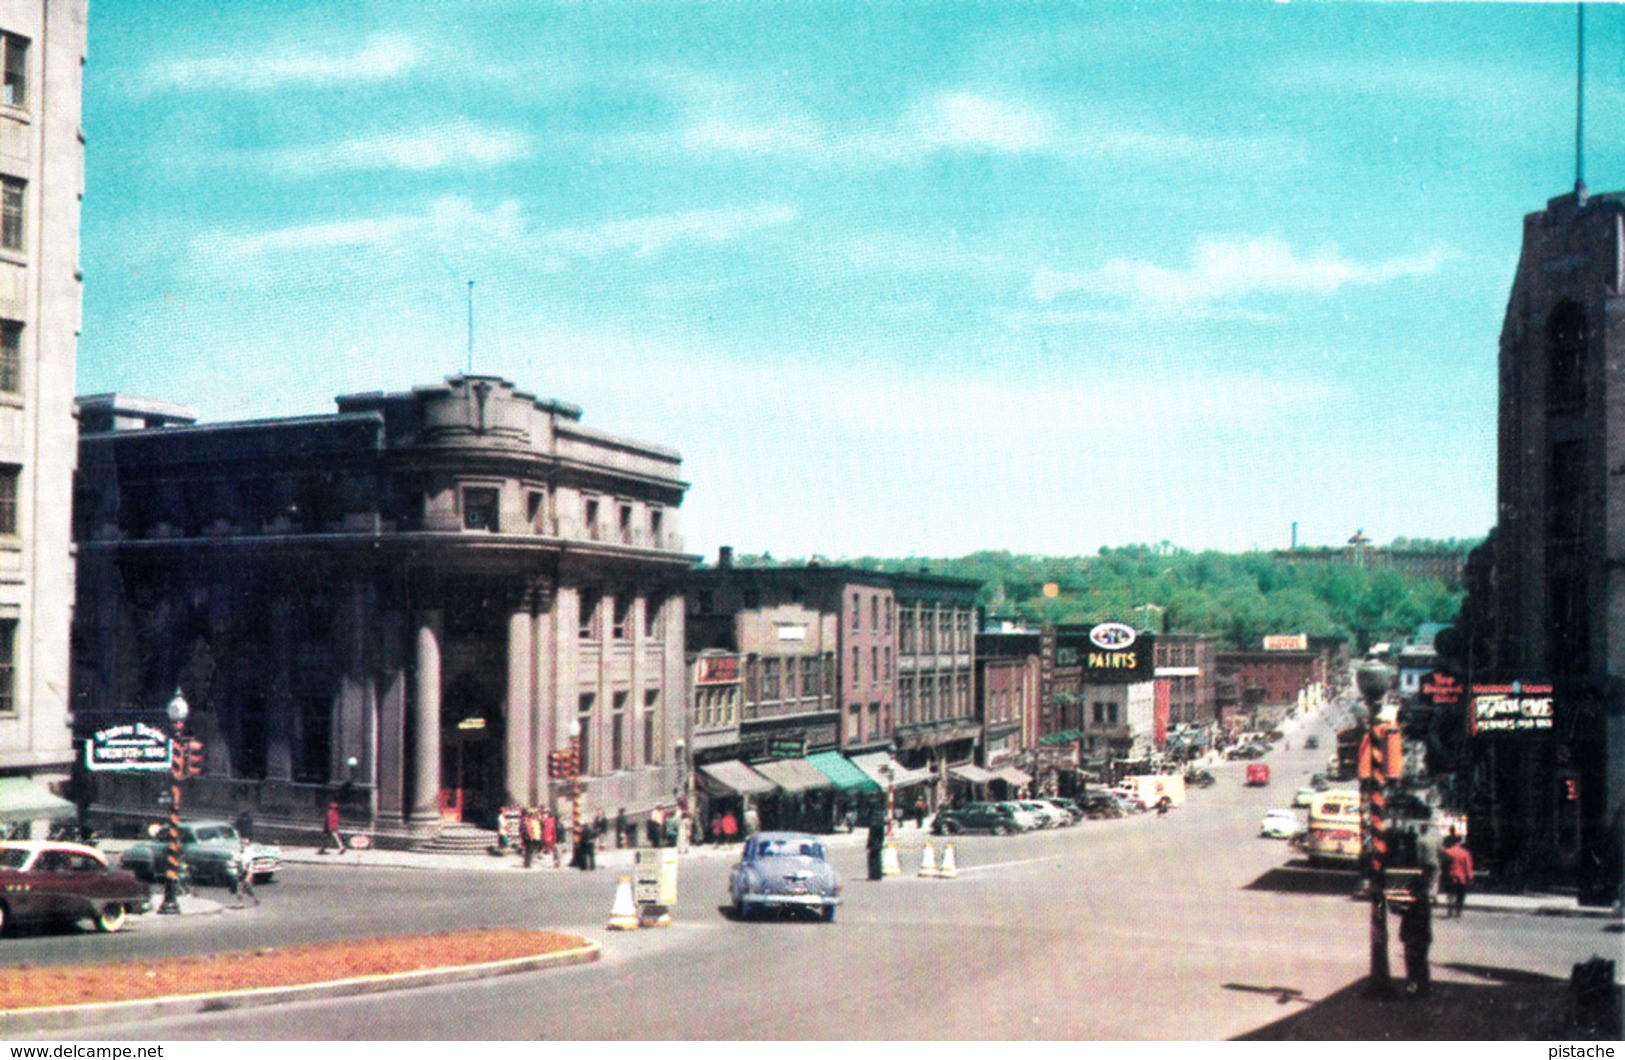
517 753
426 730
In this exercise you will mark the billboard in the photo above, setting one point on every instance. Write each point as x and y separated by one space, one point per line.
137 747
1117 653
717 670
1497 709
1287 642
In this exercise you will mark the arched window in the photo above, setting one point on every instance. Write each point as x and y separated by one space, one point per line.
1565 356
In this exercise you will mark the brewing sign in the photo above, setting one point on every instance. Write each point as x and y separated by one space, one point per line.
133 748
1510 708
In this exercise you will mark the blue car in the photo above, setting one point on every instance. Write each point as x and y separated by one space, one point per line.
784 870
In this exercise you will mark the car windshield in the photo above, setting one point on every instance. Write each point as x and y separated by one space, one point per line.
13 858
211 833
789 848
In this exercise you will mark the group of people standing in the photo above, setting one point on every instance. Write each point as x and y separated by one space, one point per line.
1452 865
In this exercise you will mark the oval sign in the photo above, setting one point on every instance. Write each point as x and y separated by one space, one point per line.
1112 636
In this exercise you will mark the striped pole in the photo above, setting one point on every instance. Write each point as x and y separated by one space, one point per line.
1376 817
172 855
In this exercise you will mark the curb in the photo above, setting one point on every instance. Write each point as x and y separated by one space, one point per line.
79 1017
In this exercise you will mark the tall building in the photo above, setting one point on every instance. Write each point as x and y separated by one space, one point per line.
1551 796
412 601
42 44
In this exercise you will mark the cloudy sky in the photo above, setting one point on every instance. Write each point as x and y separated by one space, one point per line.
895 278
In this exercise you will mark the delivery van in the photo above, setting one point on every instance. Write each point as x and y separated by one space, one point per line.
1152 788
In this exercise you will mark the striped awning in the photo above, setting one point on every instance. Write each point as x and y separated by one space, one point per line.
736 776
886 771
793 775
974 774
1012 775
841 773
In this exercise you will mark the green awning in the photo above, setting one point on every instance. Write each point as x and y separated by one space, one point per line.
21 799
1056 738
843 774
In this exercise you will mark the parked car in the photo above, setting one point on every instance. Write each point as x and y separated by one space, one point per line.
1074 812
995 817
1311 742
1099 805
1025 818
65 882
1199 778
784 870
208 849
1048 816
1280 824
1246 750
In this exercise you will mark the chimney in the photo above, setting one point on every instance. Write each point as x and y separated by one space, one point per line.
725 557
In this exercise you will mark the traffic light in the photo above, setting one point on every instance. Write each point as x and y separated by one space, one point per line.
1382 755
177 759
194 758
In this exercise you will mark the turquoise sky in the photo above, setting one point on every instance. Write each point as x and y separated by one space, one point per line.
895 279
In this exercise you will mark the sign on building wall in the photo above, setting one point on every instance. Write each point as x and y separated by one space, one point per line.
128 748
1287 642
1516 707
1117 653
717 670
1441 688
1046 678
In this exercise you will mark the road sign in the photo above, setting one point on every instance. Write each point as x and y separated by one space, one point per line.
135 748
655 877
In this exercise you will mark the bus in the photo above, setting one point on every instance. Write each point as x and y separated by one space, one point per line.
1334 828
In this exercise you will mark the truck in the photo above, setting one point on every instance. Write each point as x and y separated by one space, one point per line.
1258 774
1152 788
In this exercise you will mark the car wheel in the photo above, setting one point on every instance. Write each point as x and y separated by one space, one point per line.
1001 829
111 918
829 914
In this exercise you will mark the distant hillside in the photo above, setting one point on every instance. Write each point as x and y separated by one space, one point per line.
1236 597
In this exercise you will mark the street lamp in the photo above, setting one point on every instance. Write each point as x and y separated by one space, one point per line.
177 710
1374 680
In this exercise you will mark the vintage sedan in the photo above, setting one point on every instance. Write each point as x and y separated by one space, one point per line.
209 850
784 870
65 882
1280 824
995 817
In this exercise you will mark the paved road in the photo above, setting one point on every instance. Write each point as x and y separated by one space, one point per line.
1187 926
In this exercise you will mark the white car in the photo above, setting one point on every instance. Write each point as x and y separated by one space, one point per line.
1279 824
1026 820
1048 816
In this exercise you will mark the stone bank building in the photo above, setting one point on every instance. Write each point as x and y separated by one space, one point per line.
407 603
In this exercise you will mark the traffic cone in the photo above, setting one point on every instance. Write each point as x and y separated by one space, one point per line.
889 865
624 916
928 861
949 870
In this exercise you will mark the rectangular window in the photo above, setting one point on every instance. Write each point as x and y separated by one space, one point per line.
657 526
11 357
589 614
584 707
8 500
8 668
770 679
617 733
651 706
16 90
652 608
857 667
626 524
857 612
589 516
11 213
481 506
534 506
623 618
874 612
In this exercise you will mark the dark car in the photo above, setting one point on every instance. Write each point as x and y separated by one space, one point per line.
209 849
1100 805
784 870
65 882
1312 743
996 817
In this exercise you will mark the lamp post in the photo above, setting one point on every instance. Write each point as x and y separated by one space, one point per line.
177 710
1374 680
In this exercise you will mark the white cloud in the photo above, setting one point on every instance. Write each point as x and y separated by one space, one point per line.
455 145
1222 270
647 236
380 59
967 121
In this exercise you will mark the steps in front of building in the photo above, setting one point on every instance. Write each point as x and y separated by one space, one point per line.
458 837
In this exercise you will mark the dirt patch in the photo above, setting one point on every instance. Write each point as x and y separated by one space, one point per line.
83 984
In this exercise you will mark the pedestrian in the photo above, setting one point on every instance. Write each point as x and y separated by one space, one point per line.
245 825
716 827
919 811
600 826
685 824
242 875
656 826
1416 934
673 825
730 827
622 839
1458 873
332 825
753 821
531 827
550 836
589 845
876 845
1427 856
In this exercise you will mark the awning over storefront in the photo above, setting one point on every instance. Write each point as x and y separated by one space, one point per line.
794 775
886 771
736 776
974 774
1055 739
1012 775
841 773
21 799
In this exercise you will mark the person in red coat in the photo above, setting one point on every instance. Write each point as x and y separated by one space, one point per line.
332 834
1458 873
